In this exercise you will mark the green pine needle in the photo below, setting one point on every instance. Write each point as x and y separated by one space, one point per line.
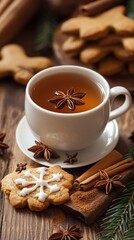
130 8
119 218
45 31
129 234
130 153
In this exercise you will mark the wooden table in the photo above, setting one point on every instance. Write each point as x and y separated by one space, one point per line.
23 224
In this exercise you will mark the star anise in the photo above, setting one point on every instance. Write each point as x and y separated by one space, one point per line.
71 158
3 146
70 99
108 183
69 233
132 137
20 167
42 150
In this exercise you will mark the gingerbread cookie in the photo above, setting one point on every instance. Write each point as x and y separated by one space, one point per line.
73 44
14 62
37 187
127 42
110 66
94 53
100 25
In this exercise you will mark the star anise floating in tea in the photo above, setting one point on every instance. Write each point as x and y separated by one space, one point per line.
20 167
69 233
71 158
42 150
70 99
108 183
3 146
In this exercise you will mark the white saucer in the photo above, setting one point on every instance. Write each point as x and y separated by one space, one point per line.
104 145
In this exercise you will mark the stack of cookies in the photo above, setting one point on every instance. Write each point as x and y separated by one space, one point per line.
104 41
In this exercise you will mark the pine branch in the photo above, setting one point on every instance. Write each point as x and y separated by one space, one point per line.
119 218
130 152
45 30
129 234
130 8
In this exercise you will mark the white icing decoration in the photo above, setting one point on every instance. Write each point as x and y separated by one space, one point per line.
39 182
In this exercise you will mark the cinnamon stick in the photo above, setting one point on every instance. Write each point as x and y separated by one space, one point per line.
111 171
90 205
97 7
15 16
4 4
109 160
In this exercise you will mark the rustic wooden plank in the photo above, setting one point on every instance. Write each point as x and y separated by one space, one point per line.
24 224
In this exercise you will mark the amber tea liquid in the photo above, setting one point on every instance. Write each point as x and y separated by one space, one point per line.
45 89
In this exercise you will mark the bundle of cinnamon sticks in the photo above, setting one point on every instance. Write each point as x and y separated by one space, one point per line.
14 14
92 203
113 164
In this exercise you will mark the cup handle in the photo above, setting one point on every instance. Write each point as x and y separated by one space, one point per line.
115 92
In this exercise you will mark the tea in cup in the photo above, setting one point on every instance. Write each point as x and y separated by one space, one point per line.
68 107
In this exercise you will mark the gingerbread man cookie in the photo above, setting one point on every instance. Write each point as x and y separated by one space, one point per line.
14 62
37 187
98 26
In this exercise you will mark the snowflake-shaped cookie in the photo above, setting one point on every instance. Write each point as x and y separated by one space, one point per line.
38 187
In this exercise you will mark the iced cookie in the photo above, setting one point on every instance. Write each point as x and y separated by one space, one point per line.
37 187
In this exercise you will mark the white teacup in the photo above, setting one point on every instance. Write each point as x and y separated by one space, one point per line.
73 131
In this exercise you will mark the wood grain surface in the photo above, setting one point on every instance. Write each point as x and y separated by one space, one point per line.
23 224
